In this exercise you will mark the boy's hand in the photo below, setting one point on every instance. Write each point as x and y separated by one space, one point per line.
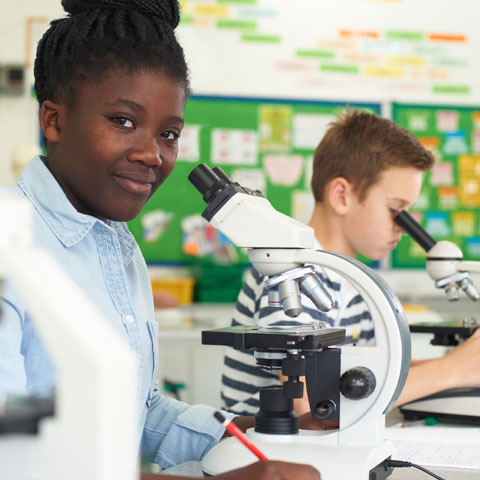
307 422
458 368
462 364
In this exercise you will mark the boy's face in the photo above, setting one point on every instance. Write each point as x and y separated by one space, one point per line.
118 143
369 227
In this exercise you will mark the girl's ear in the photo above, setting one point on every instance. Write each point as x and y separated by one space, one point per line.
50 117
339 195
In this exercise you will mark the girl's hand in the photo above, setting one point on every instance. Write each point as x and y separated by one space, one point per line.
272 470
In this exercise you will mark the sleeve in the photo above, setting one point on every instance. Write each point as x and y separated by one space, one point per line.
12 369
175 432
241 378
355 317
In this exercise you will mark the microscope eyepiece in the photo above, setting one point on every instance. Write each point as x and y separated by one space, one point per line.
221 175
415 230
207 181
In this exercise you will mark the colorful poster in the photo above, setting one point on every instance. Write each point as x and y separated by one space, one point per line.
275 128
234 146
450 196
283 169
189 144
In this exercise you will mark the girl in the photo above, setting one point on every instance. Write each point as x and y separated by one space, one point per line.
112 83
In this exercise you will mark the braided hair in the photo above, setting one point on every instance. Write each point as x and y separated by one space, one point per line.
99 36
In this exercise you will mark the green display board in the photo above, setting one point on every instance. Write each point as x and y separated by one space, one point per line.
449 203
262 143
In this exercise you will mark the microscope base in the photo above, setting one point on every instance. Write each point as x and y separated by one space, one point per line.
334 462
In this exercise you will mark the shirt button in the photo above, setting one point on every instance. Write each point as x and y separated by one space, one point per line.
129 319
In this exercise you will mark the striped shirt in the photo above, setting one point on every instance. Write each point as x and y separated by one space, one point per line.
241 378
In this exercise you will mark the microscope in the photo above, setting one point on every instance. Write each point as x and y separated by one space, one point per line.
445 265
77 433
352 386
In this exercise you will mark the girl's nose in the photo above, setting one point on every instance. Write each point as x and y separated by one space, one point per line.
148 153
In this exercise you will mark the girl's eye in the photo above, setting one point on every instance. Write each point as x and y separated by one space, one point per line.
169 135
124 122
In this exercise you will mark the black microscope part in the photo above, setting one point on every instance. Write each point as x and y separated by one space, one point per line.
276 415
216 187
325 409
221 175
358 383
242 337
415 230
206 181
23 415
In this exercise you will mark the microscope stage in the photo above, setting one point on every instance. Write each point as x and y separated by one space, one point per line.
302 337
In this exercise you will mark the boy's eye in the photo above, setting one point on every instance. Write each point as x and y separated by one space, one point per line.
170 135
124 122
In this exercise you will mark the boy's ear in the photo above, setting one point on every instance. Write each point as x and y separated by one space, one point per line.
339 194
50 117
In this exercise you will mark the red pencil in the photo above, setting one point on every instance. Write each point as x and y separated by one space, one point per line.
236 432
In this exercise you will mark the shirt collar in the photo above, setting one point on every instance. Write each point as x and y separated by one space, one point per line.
67 224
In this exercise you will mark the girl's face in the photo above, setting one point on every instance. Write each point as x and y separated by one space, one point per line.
118 143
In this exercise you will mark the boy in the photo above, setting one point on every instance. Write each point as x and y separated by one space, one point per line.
366 170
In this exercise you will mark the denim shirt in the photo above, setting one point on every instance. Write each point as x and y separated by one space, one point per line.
104 260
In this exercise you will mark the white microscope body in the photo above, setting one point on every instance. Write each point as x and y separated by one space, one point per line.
89 436
277 244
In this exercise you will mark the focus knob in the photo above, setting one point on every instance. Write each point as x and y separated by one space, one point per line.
358 383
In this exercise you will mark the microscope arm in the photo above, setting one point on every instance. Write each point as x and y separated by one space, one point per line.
468 266
389 358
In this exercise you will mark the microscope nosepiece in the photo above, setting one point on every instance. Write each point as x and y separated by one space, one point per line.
452 292
290 298
469 288
313 288
274 298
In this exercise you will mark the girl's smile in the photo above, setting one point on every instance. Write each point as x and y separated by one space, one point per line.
135 183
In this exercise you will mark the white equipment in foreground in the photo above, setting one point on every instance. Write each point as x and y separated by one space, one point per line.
89 436
355 385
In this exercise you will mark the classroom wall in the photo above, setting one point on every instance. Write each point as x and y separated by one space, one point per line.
277 46
338 51
363 50
18 123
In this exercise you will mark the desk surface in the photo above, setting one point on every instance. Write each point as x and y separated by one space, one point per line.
193 469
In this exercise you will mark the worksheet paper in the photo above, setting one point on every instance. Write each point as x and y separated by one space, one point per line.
437 446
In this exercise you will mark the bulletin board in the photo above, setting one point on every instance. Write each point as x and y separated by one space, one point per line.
350 49
449 203
263 144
